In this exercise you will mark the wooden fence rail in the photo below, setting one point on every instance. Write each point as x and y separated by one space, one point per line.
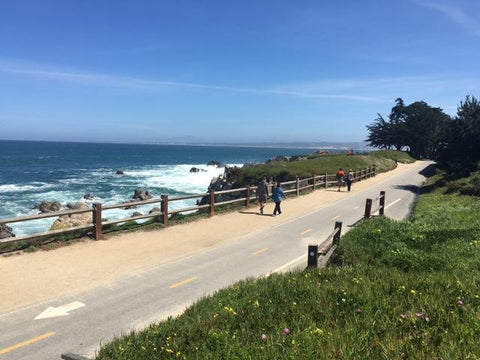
332 241
246 195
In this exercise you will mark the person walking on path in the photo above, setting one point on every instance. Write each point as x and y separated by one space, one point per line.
262 193
277 197
350 178
340 176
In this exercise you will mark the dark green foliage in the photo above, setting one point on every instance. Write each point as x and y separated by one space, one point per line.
461 152
417 127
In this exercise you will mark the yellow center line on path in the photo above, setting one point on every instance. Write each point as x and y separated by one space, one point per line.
260 251
26 343
305 231
184 282
335 217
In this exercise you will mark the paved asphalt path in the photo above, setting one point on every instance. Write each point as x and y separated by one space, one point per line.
134 302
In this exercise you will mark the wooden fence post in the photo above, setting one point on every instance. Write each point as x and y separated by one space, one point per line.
325 178
312 256
247 196
298 186
313 183
336 238
382 203
369 172
97 221
164 209
368 208
212 202
374 168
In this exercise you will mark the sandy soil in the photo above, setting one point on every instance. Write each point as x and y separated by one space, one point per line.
30 278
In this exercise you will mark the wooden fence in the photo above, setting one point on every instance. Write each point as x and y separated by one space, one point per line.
332 240
245 194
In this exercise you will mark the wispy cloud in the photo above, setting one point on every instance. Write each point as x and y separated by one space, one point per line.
143 84
454 12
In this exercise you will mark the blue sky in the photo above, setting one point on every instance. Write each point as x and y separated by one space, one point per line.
228 71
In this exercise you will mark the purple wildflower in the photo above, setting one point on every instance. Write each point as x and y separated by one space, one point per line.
264 337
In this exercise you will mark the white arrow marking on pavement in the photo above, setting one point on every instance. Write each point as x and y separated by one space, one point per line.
60 311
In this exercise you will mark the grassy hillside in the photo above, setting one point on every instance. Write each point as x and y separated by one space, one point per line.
318 165
395 290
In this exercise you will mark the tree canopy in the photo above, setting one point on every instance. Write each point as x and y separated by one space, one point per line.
427 132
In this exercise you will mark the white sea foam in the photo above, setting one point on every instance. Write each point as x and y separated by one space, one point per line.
172 179
178 177
36 186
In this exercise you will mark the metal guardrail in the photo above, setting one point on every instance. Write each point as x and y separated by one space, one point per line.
98 222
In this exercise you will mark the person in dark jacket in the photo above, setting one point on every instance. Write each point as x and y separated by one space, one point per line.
350 178
262 193
277 198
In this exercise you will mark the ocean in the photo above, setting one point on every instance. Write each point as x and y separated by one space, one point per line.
31 172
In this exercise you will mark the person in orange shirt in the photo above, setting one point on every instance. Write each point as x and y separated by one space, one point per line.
340 176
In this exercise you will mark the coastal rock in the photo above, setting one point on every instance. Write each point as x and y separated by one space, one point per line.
119 172
47 206
77 206
218 184
6 231
194 170
154 210
279 158
89 196
141 195
73 220
255 163
298 158
216 164
136 213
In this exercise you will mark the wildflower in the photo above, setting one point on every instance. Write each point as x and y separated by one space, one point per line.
318 331
427 319
343 299
256 304
419 315
264 337
403 316
286 331
359 310
413 292
230 310
460 302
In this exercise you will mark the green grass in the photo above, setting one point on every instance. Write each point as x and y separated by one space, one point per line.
318 165
394 290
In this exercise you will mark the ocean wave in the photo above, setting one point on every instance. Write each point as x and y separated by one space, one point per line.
35 186
108 189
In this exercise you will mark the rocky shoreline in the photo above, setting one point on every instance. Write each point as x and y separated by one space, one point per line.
222 182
